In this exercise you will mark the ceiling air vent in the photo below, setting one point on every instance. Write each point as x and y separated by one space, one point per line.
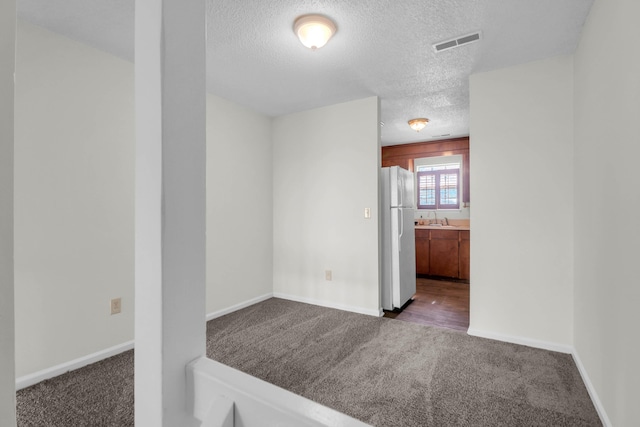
457 42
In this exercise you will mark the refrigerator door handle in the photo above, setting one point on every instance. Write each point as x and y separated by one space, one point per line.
400 189
401 221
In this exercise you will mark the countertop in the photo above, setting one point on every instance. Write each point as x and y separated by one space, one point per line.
443 227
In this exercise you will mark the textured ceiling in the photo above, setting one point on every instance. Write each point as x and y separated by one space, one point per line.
382 48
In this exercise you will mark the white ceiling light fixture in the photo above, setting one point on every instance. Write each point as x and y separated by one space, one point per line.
418 124
314 31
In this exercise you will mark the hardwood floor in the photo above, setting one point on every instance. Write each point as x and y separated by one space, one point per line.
438 303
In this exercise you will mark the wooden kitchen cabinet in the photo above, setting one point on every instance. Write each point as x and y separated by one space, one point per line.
464 254
422 251
444 253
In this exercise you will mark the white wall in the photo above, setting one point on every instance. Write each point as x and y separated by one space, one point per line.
239 205
521 152
73 199
325 168
607 231
7 354
170 208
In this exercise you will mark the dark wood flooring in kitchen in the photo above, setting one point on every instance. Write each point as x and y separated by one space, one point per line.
438 303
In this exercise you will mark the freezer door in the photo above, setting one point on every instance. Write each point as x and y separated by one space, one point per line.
400 187
407 185
403 253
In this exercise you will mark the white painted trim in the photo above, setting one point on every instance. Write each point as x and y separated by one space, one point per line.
545 345
256 402
328 304
221 413
561 348
72 365
239 306
591 389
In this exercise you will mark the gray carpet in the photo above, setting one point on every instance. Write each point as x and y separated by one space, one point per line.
385 372
100 394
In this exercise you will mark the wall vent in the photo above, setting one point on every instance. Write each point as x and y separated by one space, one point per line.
457 42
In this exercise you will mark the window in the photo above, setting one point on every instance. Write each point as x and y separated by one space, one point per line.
439 186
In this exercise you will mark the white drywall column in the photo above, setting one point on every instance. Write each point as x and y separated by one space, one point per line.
7 332
170 206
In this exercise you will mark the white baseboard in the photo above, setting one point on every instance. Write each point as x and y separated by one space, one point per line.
592 391
239 306
36 377
545 345
54 371
561 348
45 374
321 303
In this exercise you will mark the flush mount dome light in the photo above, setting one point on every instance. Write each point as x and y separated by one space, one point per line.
418 124
314 31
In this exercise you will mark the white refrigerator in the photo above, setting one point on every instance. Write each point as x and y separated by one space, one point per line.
398 237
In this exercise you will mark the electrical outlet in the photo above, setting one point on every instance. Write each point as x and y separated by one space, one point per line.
327 275
116 305
367 213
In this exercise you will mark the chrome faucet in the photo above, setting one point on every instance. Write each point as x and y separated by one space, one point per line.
435 216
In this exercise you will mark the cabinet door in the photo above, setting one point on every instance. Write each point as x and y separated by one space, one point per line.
443 254
422 251
465 249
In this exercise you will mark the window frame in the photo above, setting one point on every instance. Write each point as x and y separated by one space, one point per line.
436 174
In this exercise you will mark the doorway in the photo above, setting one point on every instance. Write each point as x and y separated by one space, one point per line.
442 231
437 302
